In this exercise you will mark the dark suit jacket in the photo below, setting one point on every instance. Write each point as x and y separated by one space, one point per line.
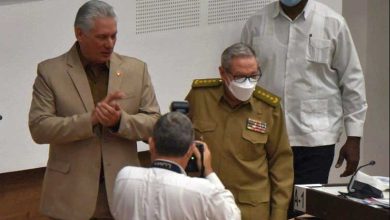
60 115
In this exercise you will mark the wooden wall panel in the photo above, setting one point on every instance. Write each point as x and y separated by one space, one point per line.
19 195
20 192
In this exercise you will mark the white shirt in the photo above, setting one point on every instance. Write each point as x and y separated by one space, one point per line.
160 194
312 64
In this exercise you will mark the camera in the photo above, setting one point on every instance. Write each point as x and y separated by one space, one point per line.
180 106
192 165
183 107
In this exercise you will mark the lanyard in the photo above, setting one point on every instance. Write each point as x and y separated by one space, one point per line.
166 165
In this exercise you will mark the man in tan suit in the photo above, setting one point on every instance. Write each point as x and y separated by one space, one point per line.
92 106
244 128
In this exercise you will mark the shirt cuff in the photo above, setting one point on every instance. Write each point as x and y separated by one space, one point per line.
354 129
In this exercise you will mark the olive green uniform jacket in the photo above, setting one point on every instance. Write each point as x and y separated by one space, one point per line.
249 147
60 115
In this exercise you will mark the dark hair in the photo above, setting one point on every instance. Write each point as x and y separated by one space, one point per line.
173 134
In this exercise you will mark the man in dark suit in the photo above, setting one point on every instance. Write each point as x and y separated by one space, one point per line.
91 105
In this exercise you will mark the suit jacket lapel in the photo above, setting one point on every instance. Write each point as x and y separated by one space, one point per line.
79 78
116 74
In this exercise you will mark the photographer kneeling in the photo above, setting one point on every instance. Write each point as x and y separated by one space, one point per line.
164 191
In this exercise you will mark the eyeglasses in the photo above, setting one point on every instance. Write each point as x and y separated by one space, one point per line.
252 78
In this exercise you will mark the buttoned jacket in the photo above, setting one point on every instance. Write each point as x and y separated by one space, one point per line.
60 115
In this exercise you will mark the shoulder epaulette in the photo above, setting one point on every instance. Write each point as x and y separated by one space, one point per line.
266 96
197 83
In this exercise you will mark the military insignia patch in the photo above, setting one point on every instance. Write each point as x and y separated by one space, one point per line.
198 83
256 126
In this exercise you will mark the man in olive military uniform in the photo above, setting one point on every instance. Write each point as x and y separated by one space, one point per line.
244 128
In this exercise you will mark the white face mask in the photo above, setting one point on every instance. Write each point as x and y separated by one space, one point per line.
242 91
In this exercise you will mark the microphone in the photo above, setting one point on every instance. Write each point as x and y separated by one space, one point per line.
350 189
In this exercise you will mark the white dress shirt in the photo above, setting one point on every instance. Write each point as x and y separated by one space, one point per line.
312 64
160 194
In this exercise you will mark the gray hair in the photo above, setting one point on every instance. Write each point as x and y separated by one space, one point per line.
173 134
91 10
236 50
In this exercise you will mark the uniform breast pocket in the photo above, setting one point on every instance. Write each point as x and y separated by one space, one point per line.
318 50
253 145
204 130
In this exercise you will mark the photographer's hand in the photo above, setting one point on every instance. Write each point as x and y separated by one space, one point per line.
206 158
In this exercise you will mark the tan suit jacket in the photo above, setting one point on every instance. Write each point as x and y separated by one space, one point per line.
60 115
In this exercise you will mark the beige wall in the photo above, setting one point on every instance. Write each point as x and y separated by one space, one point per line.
376 139
368 21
